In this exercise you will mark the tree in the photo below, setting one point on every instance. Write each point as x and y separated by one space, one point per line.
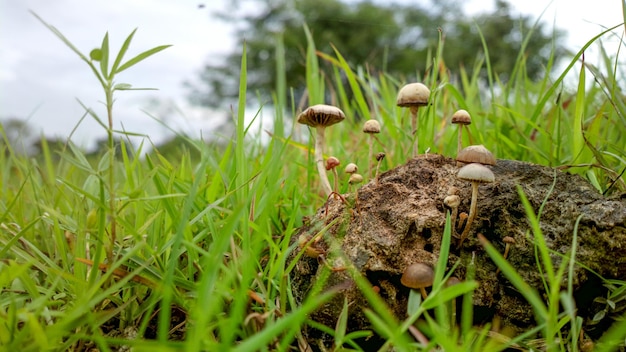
391 37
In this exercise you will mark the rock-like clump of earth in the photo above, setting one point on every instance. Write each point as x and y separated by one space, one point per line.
387 225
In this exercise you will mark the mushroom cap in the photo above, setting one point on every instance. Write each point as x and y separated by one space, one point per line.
321 115
380 156
476 154
475 172
355 178
413 94
331 163
508 239
418 275
461 117
371 126
452 201
351 168
452 280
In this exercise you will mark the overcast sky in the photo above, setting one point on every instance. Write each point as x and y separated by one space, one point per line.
41 79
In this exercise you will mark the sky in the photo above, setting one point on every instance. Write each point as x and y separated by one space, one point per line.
42 81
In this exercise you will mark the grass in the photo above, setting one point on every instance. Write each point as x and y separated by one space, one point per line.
193 254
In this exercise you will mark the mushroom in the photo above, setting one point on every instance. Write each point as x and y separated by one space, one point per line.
476 174
508 241
321 116
452 201
351 168
476 154
412 96
418 276
355 178
371 127
379 160
461 118
331 164
462 220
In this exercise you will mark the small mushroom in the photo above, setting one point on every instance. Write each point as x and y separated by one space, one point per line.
476 154
412 96
351 168
452 201
355 178
418 276
462 221
461 118
319 117
476 174
508 242
331 164
379 160
371 127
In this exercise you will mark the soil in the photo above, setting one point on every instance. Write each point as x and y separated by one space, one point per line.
399 220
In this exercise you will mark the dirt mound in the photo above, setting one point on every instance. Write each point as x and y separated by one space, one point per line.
399 220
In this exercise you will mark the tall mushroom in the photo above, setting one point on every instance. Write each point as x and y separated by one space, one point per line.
476 174
461 118
412 96
418 276
319 117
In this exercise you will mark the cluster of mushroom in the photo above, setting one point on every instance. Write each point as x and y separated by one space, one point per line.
413 96
321 116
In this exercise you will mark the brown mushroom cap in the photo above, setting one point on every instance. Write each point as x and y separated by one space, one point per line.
476 154
331 163
461 117
371 126
418 275
475 172
413 94
321 115
508 239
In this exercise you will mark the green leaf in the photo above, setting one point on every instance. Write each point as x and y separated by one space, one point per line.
122 52
141 57
104 60
95 54
122 86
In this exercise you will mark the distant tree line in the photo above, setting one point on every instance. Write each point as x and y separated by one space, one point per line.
391 37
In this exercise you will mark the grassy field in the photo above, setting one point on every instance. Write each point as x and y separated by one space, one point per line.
191 253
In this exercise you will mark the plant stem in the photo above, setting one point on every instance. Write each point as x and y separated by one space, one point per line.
111 145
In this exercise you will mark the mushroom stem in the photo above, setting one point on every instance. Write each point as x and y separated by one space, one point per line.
370 157
379 160
507 248
472 214
453 215
336 180
460 141
414 126
319 159
424 293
